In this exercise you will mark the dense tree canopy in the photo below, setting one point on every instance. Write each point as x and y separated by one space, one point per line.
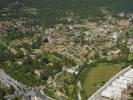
51 9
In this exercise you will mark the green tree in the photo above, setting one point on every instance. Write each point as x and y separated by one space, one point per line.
16 9
2 93
11 90
122 45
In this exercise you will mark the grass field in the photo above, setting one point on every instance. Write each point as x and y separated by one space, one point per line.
130 56
98 75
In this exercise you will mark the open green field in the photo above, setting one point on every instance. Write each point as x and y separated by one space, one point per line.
98 75
130 56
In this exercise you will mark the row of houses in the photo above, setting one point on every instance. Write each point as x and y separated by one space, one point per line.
119 86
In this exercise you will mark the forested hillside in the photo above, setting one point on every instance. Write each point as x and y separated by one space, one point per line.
55 9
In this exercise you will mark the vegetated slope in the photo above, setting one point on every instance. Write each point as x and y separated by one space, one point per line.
54 9
85 7
51 10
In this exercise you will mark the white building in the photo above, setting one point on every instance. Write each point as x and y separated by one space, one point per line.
130 48
73 70
114 91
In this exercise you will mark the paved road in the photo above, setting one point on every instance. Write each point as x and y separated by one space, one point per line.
20 89
8 81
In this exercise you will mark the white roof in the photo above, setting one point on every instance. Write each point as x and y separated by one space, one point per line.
123 81
107 93
129 75
115 90
129 80
119 85
112 92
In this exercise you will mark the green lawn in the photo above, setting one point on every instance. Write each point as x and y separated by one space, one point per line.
98 75
130 56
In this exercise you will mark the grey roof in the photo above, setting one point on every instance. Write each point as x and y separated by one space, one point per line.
37 94
42 97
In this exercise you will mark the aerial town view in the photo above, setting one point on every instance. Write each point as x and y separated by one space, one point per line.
66 49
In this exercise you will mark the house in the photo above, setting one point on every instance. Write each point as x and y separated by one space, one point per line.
117 88
124 23
73 70
49 80
35 96
19 62
130 48
113 54
114 36
13 51
38 73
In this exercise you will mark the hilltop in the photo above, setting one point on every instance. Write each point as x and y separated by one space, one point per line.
60 9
